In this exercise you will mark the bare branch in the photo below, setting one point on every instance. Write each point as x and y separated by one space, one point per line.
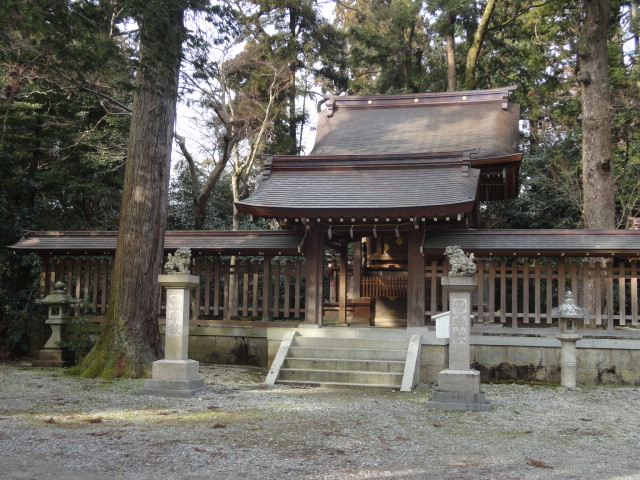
195 187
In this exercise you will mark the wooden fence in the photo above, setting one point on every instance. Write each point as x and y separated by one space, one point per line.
88 278
527 291
511 293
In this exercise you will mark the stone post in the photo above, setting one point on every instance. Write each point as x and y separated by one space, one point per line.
176 375
459 385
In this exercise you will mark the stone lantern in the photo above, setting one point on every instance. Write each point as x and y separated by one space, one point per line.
571 319
59 304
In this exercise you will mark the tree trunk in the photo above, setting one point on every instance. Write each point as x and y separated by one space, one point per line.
131 341
235 226
634 27
293 22
451 53
597 179
470 81
598 207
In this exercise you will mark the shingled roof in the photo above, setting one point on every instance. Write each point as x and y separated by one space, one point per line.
200 242
418 123
513 243
507 243
373 185
427 154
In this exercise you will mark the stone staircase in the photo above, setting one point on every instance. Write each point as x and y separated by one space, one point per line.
347 358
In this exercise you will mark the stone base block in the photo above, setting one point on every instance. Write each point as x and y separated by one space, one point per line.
172 388
459 390
173 378
175 370
53 357
467 381
459 401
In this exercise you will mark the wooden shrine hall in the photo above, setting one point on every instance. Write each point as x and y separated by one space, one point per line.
391 181
385 171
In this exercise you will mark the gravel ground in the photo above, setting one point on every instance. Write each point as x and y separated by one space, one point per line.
56 426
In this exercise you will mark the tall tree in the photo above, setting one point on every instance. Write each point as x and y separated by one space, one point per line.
66 83
293 31
130 341
598 185
386 44
473 55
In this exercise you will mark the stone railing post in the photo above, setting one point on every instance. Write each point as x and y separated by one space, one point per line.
176 375
459 385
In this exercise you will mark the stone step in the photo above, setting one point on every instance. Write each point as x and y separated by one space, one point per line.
344 365
346 358
344 353
313 376
352 343
340 384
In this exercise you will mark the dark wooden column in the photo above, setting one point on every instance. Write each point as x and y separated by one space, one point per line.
342 282
266 290
416 280
357 269
315 257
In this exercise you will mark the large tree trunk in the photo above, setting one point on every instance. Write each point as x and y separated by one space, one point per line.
131 341
470 81
598 210
293 68
451 53
597 179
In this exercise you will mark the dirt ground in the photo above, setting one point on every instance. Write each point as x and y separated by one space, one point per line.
53 426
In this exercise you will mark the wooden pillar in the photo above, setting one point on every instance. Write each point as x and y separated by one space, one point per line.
357 269
266 289
342 282
233 286
416 280
315 259
44 272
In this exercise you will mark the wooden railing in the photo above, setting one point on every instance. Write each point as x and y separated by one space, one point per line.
388 286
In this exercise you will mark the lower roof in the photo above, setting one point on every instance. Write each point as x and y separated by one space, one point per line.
532 243
254 242
503 243
429 185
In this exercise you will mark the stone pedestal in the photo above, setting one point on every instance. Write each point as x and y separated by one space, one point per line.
51 354
459 385
568 362
176 375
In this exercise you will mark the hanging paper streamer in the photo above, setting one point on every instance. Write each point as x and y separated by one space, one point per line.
329 233
397 231
351 231
375 234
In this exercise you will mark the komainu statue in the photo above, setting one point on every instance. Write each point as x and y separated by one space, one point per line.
178 262
461 264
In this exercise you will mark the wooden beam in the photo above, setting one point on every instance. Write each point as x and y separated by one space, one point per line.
357 269
342 282
416 280
266 289
315 271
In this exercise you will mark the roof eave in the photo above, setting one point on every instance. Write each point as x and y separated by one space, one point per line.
368 212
